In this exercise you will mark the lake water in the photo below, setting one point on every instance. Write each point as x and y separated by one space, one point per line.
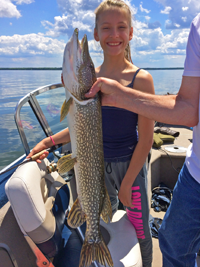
14 84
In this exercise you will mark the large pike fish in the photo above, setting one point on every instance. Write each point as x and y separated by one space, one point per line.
85 126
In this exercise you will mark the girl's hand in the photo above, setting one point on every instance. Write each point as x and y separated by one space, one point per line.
112 91
125 195
39 147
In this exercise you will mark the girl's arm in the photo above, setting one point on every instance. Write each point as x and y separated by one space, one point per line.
59 138
145 141
145 133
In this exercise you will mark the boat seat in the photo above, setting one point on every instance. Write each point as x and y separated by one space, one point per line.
121 239
39 202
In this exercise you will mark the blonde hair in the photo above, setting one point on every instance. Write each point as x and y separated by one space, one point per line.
107 4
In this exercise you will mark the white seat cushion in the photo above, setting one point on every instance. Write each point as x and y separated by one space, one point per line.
123 243
31 205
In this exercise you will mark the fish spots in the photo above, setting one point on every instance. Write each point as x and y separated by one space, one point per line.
87 146
89 154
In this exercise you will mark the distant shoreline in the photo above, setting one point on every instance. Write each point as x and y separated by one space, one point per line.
178 68
30 68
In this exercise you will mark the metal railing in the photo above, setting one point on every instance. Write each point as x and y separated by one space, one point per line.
31 99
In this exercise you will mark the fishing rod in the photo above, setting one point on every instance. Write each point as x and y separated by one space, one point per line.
33 158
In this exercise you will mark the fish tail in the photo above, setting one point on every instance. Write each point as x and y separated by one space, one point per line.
95 251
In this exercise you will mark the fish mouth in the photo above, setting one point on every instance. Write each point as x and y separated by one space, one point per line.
77 70
76 53
73 56
79 47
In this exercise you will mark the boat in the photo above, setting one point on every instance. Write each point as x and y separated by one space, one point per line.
36 199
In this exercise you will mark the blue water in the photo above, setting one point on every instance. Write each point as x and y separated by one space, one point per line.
14 84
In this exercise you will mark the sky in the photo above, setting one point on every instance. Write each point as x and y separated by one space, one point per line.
33 33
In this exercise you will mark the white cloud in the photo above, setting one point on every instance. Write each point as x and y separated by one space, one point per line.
84 20
144 53
180 51
139 41
79 13
177 25
184 19
139 25
143 9
71 6
60 26
20 2
166 10
154 25
132 7
149 43
185 8
147 17
174 26
8 9
179 10
154 44
150 39
30 44
175 42
81 26
18 59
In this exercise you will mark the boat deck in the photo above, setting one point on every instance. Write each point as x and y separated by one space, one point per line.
162 171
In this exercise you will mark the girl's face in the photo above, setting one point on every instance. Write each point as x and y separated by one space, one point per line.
113 31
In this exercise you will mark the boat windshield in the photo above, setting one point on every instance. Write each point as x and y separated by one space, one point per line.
37 115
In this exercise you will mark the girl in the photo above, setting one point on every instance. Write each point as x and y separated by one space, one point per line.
127 137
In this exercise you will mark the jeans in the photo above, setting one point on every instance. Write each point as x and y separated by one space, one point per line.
179 235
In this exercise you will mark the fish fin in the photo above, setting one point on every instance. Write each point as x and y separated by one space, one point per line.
106 212
76 215
95 251
65 108
65 164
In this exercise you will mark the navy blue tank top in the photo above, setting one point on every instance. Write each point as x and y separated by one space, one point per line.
119 131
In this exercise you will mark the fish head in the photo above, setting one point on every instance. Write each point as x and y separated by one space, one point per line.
78 70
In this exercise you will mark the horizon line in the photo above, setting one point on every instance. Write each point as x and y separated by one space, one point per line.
60 68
